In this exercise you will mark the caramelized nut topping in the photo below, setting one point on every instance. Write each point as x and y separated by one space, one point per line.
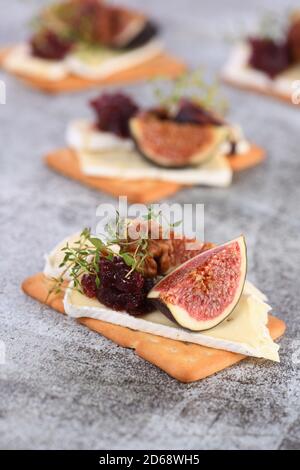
164 254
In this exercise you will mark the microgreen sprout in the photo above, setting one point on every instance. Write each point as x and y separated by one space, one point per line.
83 256
193 85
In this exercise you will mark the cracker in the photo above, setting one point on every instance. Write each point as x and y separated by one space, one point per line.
253 157
64 161
185 362
162 65
255 89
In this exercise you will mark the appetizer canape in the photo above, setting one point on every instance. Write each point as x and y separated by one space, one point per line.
181 304
80 43
268 62
147 154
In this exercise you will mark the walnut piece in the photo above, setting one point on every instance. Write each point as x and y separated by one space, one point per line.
164 254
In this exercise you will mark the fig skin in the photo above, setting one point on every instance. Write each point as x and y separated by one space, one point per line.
190 112
149 31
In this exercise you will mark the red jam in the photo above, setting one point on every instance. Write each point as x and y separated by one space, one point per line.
269 56
114 111
118 289
48 45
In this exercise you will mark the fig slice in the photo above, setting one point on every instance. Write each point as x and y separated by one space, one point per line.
175 145
203 291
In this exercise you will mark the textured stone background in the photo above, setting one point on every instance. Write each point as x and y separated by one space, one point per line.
65 387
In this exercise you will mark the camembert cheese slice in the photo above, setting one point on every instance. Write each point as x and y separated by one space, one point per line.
20 61
244 331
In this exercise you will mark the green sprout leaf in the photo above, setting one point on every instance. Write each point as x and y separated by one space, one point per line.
176 224
193 85
97 243
129 259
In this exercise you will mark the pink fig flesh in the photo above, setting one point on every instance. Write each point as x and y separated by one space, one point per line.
204 290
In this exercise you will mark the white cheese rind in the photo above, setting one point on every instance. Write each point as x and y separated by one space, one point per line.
236 135
82 135
116 64
244 331
131 166
55 257
20 60
237 70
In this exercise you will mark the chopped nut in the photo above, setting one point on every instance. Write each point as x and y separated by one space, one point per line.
163 254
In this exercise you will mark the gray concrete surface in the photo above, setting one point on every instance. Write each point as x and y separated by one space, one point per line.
65 387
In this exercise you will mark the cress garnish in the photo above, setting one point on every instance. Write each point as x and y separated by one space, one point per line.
193 86
113 112
275 47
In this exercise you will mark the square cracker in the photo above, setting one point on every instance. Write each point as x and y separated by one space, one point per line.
162 65
65 162
235 82
185 362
